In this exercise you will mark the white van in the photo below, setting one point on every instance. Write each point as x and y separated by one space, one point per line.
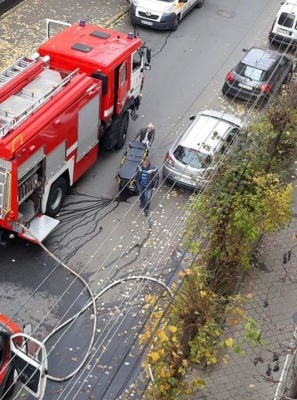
161 14
284 28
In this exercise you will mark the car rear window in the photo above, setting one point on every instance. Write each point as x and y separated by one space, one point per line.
254 74
286 20
193 158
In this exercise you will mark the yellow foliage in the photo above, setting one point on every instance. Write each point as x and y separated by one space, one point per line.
185 272
174 339
158 314
162 336
163 373
229 342
154 356
238 311
164 387
198 383
225 359
172 328
211 360
185 363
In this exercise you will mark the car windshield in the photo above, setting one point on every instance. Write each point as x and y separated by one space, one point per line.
252 73
286 20
193 158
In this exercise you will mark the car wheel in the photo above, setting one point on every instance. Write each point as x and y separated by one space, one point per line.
175 24
200 3
288 77
123 128
225 90
56 197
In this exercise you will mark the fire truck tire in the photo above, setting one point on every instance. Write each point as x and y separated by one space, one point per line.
122 131
200 3
56 197
10 386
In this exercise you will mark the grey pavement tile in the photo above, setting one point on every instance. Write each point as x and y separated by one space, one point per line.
240 379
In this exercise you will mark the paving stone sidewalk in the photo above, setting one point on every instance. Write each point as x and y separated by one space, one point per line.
273 287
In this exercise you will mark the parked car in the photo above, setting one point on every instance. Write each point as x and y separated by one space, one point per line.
161 14
189 161
284 28
259 75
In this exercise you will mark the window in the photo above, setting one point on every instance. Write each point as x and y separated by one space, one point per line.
123 76
283 62
193 158
286 20
254 74
136 61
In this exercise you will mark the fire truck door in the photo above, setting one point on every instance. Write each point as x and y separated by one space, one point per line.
122 87
30 362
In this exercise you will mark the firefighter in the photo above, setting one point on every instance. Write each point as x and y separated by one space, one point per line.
146 135
147 178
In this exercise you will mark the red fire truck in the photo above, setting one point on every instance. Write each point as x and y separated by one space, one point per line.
56 108
22 358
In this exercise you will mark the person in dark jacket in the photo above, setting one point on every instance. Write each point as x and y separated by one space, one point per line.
146 135
147 178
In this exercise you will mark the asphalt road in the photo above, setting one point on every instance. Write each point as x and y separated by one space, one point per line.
106 239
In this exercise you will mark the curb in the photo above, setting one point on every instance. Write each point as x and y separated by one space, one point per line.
116 17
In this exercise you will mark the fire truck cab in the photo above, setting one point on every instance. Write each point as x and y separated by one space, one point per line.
56 108
115 59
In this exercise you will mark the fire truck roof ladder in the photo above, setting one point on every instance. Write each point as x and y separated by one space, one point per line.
20 106
17 68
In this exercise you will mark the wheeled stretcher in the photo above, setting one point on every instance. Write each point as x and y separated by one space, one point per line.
132 158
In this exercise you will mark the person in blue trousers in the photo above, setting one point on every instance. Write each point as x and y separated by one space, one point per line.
147 179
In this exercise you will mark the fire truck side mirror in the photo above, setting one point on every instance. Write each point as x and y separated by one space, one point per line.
29 358
148 55
28 329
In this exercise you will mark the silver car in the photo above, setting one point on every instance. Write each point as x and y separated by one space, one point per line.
189 162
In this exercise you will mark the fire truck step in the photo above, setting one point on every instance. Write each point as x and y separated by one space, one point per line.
41 226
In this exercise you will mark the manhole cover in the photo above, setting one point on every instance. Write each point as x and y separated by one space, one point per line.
226 14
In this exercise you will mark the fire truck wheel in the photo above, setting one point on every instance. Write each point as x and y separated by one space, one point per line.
10 386
200 3
122 132
56 197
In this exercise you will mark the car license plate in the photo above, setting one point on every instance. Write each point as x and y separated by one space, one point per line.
184 180
245 86
144 22
283 31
